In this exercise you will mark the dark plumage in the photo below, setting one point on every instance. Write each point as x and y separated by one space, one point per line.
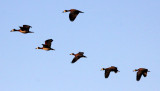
108 70
141 71
24 29
47 45
73 13
77 56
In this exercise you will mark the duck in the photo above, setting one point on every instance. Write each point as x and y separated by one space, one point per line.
73 13
77 56
108 70
140 72
24 29
47 45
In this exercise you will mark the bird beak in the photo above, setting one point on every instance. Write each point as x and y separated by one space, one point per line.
149 71
118 71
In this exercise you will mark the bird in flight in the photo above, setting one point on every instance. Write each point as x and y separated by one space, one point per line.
77 56
73 13
24 29
108 70
47 45
140 72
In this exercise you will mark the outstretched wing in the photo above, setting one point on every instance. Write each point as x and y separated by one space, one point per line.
22 28
75 59
81 53
107 72
48 42
139 74
115 69
145 74
25 28
73 15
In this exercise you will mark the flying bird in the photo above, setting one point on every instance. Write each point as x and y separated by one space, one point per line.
47 45
73 13
24 29
108 70
141 71
77 56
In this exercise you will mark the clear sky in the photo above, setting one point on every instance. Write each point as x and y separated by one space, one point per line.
121 33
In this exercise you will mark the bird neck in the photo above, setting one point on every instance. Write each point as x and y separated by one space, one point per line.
16 30
39 47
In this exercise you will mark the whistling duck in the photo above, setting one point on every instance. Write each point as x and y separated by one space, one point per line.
108 70
47 45
24 29
73 13
77 56
141 71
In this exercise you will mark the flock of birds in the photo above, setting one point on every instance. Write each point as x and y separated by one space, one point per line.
47 46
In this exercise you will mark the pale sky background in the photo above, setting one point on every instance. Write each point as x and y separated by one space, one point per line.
121 33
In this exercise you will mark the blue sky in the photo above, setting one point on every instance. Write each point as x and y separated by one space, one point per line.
121 33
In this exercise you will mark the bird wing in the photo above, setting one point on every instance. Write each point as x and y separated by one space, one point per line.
139 74
75 59
81 53
25 28
115 69
45 46
73 15
48 42
22 28
107 72
145 74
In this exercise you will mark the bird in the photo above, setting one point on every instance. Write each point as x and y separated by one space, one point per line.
73 13
77 56
141 71
24 29
47 45
108 70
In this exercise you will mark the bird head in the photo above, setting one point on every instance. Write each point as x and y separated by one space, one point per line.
102 69
72 54
135 70
38 48
65 11
12 30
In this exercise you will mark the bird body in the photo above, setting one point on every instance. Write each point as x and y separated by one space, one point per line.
73 13
24 29
77 56
108 70
141 71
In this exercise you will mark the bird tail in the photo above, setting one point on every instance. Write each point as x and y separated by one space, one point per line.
52 49
31 32
85 56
